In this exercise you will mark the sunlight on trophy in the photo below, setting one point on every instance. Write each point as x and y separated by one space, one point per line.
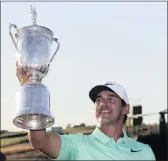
33 44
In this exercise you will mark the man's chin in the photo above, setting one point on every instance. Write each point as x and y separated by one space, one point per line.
105 122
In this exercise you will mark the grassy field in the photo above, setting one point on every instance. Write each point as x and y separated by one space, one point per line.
9 134
15 144
17 148
78 130
11 141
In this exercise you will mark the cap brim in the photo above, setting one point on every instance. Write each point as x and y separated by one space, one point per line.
96 90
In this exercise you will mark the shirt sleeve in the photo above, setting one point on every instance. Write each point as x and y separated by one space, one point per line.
150 154
68 147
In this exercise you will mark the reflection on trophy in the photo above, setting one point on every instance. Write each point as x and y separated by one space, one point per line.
33 44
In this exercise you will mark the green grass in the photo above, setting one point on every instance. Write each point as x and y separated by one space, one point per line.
19 139
78 130
16 148
12 141
6 134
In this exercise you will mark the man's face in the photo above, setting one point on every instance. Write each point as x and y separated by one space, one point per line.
108 108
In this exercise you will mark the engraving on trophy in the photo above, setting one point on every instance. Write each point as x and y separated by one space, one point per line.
33 44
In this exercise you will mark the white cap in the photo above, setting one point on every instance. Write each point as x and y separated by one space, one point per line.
112 86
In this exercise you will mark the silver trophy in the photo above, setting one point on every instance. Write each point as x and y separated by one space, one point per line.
33 44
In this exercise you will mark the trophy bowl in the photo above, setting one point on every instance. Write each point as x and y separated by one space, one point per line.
33 44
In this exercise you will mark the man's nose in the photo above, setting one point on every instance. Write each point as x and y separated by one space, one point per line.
103 103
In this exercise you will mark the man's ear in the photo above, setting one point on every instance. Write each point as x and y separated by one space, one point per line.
126 109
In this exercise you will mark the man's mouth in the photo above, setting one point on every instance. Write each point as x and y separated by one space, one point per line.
105 112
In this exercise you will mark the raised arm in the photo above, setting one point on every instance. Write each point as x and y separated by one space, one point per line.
48 143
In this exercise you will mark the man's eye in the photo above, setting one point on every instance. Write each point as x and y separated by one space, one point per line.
98 99
111 98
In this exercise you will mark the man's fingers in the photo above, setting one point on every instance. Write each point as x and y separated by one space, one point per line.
22 74
17 64
25 77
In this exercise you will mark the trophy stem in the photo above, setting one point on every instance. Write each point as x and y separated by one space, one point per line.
35 78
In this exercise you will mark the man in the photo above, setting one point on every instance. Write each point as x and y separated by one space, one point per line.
107 142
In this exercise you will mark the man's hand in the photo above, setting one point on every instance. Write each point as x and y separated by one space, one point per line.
22 75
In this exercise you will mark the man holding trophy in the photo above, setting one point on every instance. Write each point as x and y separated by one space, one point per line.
107 142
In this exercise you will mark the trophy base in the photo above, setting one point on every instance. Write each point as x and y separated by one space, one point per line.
33 121
34 104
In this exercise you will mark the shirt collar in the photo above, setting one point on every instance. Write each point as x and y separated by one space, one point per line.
99 135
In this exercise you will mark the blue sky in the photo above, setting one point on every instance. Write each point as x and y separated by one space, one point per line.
122 42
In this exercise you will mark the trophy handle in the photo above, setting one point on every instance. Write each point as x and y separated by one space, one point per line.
10 33
58 46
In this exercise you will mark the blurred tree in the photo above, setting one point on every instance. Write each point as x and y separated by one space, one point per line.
82 125
68 126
